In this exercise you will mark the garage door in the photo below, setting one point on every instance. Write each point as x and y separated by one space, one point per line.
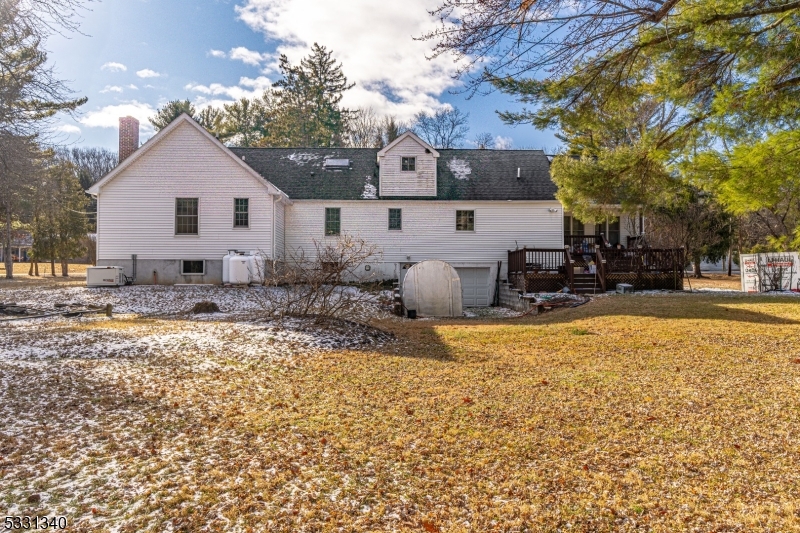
474 286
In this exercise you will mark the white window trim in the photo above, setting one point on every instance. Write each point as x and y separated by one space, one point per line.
455 221
175 219
389 220
193 273
235 227
325 223
408 157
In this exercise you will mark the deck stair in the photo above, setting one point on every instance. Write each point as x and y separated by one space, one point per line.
586 267
586 284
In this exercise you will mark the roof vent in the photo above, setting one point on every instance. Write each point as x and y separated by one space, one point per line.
337 163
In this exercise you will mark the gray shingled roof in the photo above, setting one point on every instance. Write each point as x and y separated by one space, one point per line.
462 174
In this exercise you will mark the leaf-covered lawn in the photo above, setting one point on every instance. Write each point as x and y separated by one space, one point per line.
631 413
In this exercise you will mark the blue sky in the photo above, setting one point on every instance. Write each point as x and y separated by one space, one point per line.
135 55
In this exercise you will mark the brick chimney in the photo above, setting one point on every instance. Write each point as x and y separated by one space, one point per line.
128 137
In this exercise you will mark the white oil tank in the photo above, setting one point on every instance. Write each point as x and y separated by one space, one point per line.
239 270
226 266
111 276
257 266
432 288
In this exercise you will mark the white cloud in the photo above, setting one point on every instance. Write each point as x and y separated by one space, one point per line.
112 89
134 87
216 53
247 88
248 57
69 129
108 117
111 66
390 68
503 143
147 73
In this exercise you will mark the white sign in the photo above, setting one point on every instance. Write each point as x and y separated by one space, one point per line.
777 271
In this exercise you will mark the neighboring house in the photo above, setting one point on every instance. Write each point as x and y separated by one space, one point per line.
183 199
21 246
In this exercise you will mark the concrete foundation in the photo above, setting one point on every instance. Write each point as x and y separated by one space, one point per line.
510 299
167 271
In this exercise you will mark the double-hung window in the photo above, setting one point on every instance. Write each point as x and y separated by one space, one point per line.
465 220
395 219
187 216
333 221
408 164
572 226
612 232
241 212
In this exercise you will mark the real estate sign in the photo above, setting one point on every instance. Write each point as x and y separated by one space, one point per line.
779 271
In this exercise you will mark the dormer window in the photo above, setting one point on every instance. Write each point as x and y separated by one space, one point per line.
409 164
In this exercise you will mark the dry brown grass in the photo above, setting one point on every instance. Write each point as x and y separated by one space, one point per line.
632 413
77 275
716 281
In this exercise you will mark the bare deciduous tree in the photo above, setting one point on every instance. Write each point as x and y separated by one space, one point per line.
484 141
364 129
444 128
332 282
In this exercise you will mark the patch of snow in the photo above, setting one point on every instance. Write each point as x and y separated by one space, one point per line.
490 312
302 158
370 191
460 168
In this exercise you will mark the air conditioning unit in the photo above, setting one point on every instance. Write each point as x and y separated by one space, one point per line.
624 288
111 276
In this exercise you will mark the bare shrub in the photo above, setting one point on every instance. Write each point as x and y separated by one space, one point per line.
336 281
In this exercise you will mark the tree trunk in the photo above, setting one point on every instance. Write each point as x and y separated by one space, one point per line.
696 260
30 269
9 261
730 260
64 268
53 267
36 268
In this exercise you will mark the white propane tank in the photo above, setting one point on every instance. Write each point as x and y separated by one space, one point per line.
238 270
257 266
226 267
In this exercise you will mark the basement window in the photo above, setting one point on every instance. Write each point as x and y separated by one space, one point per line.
193 268
408 164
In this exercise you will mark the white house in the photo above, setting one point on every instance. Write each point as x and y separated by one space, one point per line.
174 207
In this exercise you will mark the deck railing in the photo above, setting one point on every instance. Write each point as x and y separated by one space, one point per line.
579 244
548 270
644 260
569 263
601 267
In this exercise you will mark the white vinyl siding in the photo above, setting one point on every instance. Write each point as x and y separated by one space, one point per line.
280 229
429 230
136 209
394 181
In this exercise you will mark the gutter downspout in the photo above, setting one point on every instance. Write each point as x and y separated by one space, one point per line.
273 229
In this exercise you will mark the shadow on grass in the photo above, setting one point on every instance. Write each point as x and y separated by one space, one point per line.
680 307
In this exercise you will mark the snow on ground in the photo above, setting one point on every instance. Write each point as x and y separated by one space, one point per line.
100 414
490 312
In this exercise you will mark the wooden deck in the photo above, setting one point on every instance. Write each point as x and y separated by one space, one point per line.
584 266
